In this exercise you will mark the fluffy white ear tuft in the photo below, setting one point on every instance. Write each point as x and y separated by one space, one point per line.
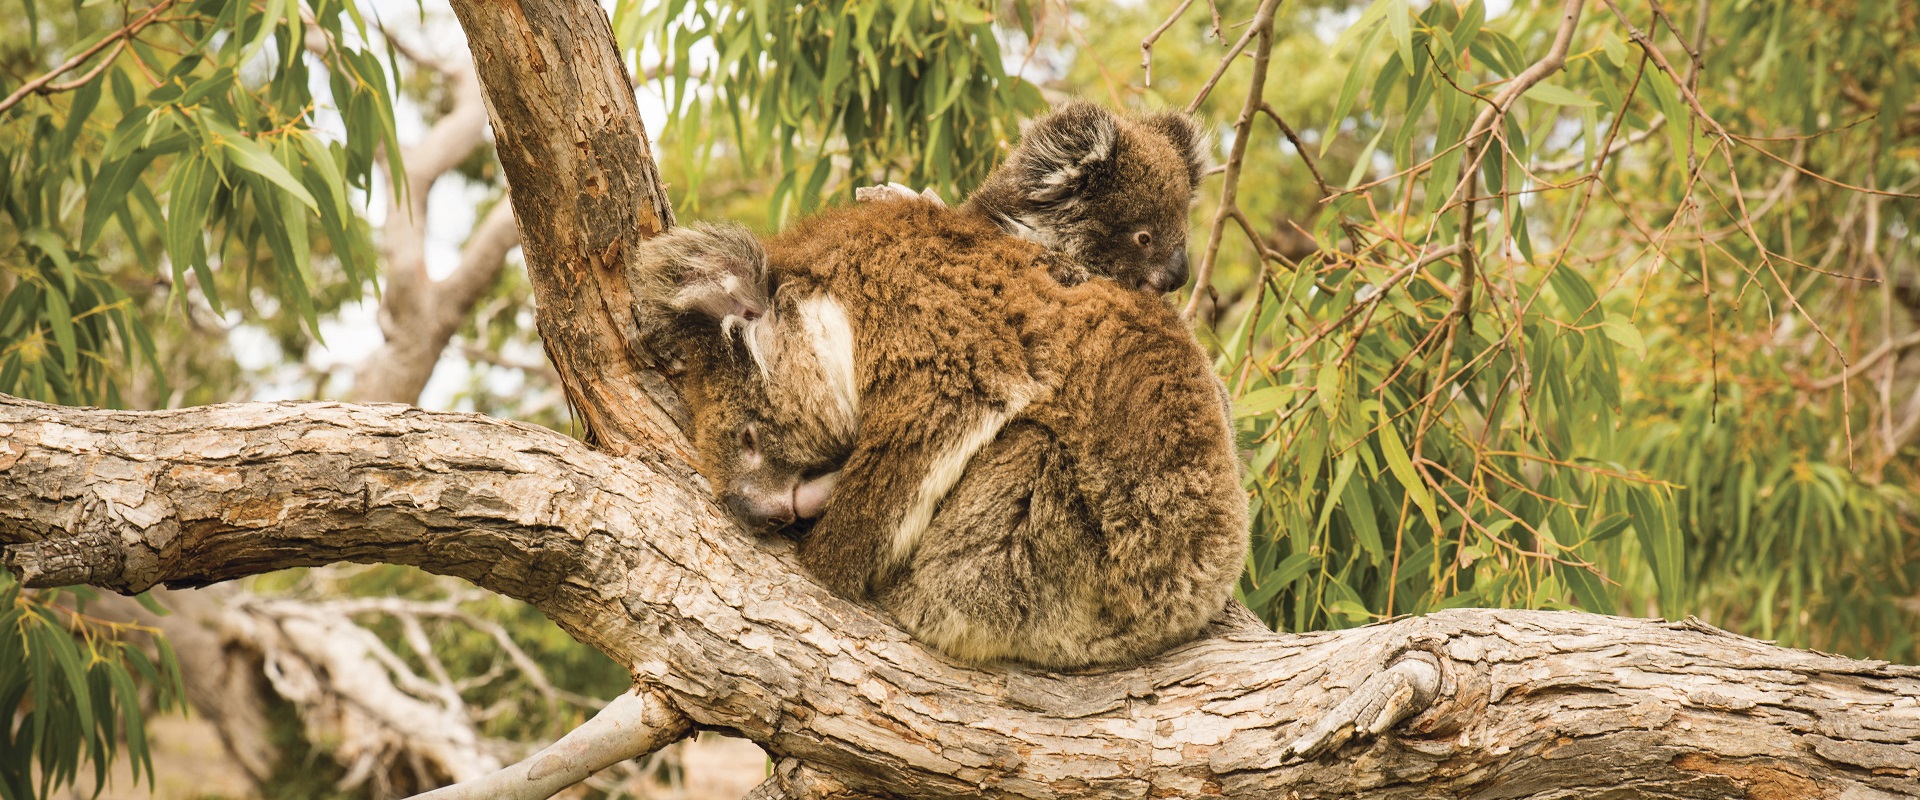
718 271
1059 151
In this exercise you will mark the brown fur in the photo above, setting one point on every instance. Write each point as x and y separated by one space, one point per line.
1099 518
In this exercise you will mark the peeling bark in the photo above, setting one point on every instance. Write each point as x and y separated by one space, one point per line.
641 564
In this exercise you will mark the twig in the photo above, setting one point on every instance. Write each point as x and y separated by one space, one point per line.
1866 362
1287 130
1230 187
1146 45
117 39
1266 9
1817 176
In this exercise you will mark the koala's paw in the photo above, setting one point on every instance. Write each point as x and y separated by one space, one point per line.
1066 271
896 191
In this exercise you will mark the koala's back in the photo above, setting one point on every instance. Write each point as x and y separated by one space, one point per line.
926 290
1106 523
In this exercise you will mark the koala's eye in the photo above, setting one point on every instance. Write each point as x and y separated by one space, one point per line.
750 438
1143 238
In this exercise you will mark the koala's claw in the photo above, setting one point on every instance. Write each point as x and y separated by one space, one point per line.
1406 687
896 191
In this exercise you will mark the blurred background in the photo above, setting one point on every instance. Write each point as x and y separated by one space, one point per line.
1632 338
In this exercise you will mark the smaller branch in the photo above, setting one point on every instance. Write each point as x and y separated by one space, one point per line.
1262 26
1646 44
1693 49
1146 45
1885 349
1748 142
90 74
1301 147
632 725
1266 10
481 260
117 39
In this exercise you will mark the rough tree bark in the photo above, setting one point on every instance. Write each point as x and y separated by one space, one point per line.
624 547
722 632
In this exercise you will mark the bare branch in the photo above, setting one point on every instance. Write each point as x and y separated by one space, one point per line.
632 725
1146 45
1261 26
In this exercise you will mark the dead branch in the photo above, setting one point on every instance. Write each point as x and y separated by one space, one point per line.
633 725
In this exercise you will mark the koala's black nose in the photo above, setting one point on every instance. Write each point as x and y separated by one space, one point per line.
1173 276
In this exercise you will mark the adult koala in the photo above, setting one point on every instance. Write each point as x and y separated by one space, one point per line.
1026 471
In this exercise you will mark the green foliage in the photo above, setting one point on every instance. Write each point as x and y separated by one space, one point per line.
190 149
834 93
181 155
71 689
1605 406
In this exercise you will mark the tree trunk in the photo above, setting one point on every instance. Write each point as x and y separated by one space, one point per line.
625 548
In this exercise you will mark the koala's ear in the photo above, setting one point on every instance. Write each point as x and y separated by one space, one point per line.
714 271
1188 136
1059 151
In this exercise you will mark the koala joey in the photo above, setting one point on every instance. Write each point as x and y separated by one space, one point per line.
1109 192
1021 470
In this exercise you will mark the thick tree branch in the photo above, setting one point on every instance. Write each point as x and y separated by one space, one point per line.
639 563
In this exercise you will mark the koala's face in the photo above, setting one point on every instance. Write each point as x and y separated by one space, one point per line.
766 490
1111 192
764 475
704 307
1134 228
